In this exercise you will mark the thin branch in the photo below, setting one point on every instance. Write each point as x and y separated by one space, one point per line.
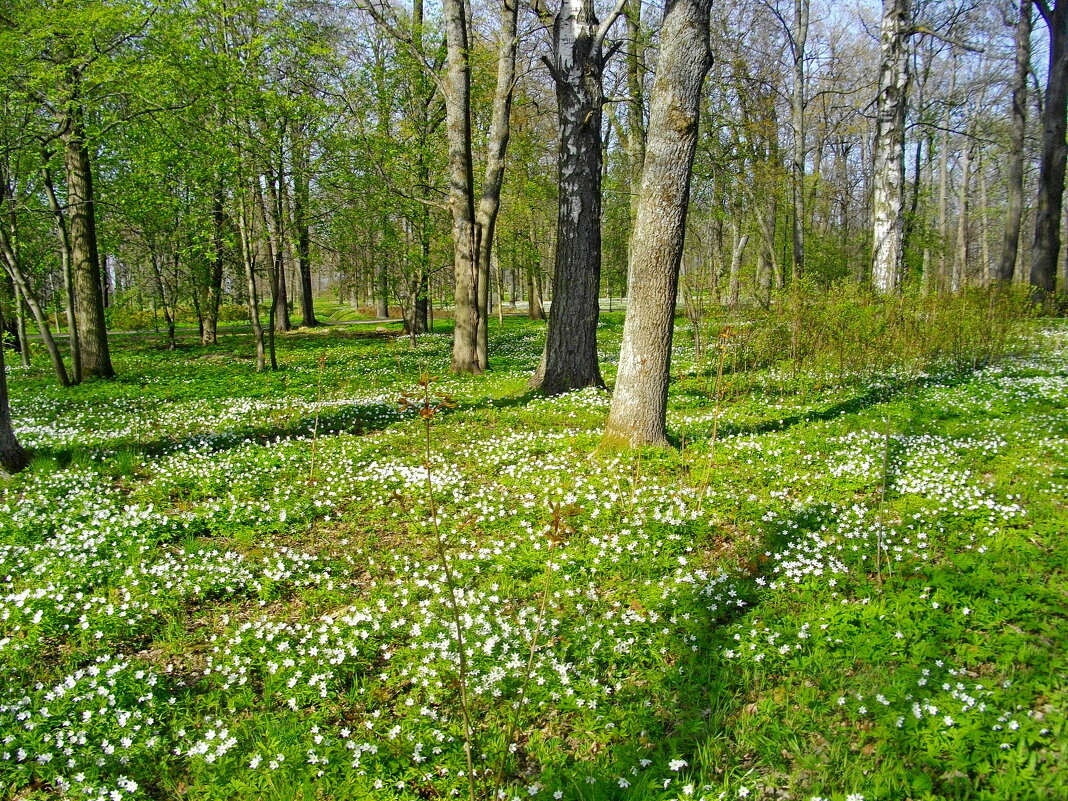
923 30
1045 11
609 21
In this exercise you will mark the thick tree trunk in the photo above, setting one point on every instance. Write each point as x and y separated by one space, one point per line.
1054 154
499 134
12 456
95 355
639 402
577 66
889 153
1010 245
465 233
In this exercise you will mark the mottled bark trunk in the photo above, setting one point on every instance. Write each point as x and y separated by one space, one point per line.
577 66
95 355
1010 244
1054 153
465 234
499 134
639 402
12 456
889 148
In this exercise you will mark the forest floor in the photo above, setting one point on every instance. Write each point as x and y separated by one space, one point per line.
842 584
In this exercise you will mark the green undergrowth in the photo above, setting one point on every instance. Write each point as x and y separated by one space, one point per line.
846 581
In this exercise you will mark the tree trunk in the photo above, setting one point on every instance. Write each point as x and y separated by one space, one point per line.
95 355
248 261
960 264
797 116
68 274
20 326
635 57
213 286
465 233
577 67
1054 154
12 456
639 402
736 264
301 202
274 223
23 289
889 152
499 133
1010 245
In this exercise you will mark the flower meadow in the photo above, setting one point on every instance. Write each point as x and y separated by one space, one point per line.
840 585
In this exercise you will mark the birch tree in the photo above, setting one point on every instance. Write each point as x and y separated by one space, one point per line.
577 69
889 147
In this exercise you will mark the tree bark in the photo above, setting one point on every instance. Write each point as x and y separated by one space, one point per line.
635 57
797 117
889 148
639 403
95 355
1010 245
1054 154
301 202
577 67
960 264
68 274
212 290
248 261
499 133
457 91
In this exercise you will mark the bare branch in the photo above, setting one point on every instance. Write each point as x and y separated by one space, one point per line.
609 21
923 30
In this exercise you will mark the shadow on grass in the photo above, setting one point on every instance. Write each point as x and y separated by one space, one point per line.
356 419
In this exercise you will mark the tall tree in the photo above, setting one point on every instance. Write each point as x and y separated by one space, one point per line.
1006 268
889 147
1054 153
499 133
577 68
465 231
639 402
799 39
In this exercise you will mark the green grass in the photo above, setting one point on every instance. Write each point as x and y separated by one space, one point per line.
218 584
